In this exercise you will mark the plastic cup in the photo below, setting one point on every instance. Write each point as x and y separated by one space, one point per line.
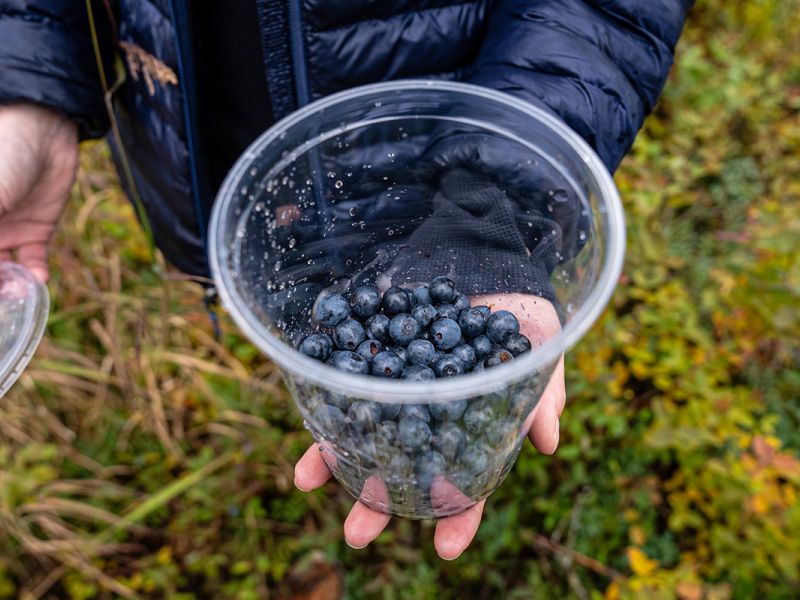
331 196
24 306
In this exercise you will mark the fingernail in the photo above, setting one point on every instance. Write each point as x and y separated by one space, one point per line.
556 435
453 558
300 487
356 547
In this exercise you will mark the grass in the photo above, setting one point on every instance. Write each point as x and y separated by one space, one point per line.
141 458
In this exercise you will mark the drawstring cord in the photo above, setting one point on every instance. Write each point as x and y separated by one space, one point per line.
211 302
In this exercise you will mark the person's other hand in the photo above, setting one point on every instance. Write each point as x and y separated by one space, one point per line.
539 321
38 162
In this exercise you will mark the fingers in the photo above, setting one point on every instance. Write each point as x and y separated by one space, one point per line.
364 524
454 534
556 389
34 258
29 241
311 472
544 432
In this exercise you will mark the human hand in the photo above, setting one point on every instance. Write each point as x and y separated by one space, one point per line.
38 162
538 321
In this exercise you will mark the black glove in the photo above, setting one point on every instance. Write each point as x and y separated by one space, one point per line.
481 239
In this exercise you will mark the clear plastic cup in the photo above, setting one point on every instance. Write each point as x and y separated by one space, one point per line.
331 196
24 306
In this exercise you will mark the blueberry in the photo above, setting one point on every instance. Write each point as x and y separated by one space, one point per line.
413 433
482 346
339 401
478 416
390 411
349 334
418 373
484 310
424 314
461 302
366 448
428 466
365 301
412 299
395 301
387 430
442 289
498 431
369 349
364 415
333 421
423 295
378 328
521 402
446 311
448 366
501 324
445 334
475 459
517 344
420 352
400 351
332 310
449 440
478 368
417 411
350 362
403 329
317 345
498 357
447 411
472 322
387 364
466 354
398 468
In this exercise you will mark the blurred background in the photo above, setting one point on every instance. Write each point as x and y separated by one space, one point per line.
140 458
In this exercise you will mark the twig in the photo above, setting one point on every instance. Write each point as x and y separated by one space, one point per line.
545 544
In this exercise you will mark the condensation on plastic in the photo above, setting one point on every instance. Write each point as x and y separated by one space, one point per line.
328 197
24 306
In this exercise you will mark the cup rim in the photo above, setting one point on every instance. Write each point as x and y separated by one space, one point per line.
439 390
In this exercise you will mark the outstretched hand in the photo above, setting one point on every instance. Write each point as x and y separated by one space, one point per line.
538 321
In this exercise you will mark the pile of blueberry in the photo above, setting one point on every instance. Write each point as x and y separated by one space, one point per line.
418 335
429 332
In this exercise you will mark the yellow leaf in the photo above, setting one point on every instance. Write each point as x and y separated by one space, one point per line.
638 536
612 591
759 504
639 562
164 556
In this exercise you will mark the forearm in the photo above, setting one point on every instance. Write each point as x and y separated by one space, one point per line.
600 65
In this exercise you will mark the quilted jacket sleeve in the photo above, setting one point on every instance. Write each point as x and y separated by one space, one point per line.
598 64
47 57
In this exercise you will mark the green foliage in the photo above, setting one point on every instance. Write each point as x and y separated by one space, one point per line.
139 458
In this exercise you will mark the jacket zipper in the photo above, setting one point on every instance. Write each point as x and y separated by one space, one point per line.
180 20
298 56
297 50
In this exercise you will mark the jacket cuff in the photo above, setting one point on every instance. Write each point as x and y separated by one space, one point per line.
474 237
39 63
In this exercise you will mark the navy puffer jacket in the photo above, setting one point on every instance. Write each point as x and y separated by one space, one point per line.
598 64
